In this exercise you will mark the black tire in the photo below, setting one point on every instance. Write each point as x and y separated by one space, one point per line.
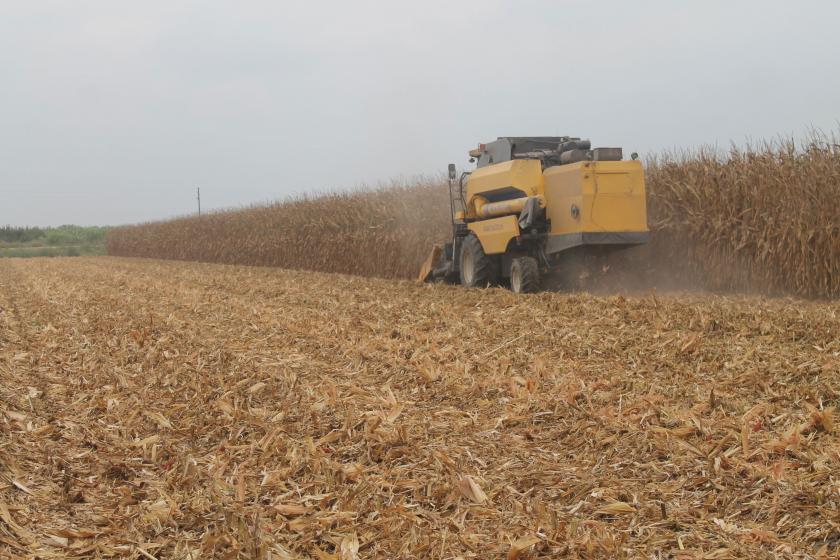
524 275
477 270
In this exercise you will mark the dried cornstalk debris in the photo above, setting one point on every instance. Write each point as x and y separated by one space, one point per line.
157 409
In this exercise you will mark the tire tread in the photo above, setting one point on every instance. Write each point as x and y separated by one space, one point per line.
486 272
529 270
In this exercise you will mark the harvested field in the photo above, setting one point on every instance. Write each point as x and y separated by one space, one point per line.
157 409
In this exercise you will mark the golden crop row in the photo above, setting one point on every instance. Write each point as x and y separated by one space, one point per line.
762 219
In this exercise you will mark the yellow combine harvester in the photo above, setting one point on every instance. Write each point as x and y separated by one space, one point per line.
532 200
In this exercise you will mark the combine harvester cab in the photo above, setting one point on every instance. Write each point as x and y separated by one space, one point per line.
529 203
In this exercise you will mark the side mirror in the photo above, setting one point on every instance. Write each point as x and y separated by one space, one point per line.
452 173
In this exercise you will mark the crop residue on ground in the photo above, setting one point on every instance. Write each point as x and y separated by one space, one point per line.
171 410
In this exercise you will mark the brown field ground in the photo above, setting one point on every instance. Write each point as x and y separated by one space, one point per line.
161 409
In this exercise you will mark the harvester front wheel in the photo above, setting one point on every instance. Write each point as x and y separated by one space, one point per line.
477 269
524 275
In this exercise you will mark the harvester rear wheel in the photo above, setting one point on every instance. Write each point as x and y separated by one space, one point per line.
477 269
524 275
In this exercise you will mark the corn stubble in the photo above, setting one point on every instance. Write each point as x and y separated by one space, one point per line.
153 409
761 219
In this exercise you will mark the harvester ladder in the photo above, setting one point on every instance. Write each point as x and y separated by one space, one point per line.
456 201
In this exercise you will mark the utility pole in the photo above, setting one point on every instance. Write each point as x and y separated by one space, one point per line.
198 198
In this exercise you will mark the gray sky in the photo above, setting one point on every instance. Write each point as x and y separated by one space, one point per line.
115 111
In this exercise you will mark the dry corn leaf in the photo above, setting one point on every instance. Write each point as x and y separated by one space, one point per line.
823 419
256 387
23 533
57 541
225 406
429 374
520 545
159 510
349 548
616 508
22 487
75 533
745 439
159 418
293 509
470 489
394 413
14 415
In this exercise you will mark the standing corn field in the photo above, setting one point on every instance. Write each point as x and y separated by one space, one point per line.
376 232
756 219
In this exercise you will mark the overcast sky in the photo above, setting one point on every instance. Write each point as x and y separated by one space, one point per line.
114 111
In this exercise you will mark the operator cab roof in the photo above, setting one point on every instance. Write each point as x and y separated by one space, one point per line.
505 148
